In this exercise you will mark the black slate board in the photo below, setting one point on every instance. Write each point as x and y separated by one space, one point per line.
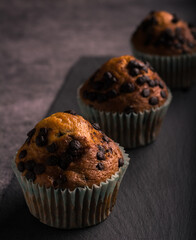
157 195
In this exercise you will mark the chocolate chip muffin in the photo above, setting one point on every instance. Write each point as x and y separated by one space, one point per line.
169 44
163 33
124 84
122 89
70 156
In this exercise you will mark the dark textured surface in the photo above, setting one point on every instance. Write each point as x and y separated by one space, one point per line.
40 41
156 198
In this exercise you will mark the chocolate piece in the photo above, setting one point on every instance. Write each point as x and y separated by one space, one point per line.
52 148
71 112
163 94
31 133
52 160
41 140
109 80
61 180
190 44
175 19
105 138
100 166
129 109
98 85
96 126
65 160
43 131
120 162
39 169
60 134
156 82
145 92
100 155
161 85
134 64
151 83
29 165
112 93
30 176
127 87
75 148
141 80
194 34
92 96
21 166
153 100
134 72
101 97
23 154
75 144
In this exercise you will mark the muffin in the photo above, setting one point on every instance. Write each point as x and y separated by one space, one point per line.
69 171
127 98
169 44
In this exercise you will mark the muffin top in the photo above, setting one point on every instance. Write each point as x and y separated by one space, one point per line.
124 84
66 151
163 33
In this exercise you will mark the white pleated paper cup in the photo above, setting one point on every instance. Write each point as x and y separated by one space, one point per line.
129 130
179 72
67 209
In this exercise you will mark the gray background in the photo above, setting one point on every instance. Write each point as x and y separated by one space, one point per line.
39 42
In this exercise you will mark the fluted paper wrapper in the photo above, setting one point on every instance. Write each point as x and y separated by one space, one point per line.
72 209
129 130
176 71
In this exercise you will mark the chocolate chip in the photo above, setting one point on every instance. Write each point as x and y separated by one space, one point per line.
100 155
151 83
52 148
41 140
98 85
194 34
163 94
153 100
129 109
178 45
148 65
101 148
120 162
60 134
100 166
127 87
30 176
61 180
109 80
75 144
175 19
145 92
52 160
156 82
134 72
161 85
65 160
23 154
92 96
191 25
29 165
190 44
105 138
136 65
31 133
112 93
43 131
96 126
39 169
21 166
141 80
70 112
101 97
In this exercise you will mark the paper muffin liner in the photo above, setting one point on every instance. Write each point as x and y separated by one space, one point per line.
176 71
129 130
67 209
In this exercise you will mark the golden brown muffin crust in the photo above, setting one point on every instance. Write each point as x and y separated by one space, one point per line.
124 84
66 151
163 33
